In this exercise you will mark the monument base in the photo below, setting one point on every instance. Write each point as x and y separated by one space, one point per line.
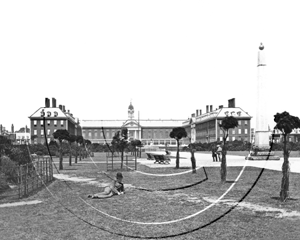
262 156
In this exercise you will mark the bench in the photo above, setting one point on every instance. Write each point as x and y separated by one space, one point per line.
150 156
162 159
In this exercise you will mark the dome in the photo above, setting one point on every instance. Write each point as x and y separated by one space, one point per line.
130 107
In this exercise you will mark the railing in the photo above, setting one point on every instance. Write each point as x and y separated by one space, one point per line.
34 175
114 162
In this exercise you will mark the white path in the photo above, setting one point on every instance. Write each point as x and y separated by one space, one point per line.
15 204
205 160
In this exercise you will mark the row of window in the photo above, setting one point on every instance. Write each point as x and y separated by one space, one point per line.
98 134
239 131
232 139
48 123
35 132
240 122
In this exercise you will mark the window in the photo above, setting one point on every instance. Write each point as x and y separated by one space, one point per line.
221 138
48 122
35 132
48 139
240 122
35 122
62 123
233 131
42 132
246 122
233 138
48 132
55 123
246 131
90 134
54 130
42 123
48 114
240 131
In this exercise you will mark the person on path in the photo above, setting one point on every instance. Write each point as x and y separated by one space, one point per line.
219 152
213 153
193 159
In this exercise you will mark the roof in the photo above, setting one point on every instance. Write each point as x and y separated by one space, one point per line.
143 123
220 113
53 113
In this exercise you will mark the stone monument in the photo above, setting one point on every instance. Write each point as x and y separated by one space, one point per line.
262 134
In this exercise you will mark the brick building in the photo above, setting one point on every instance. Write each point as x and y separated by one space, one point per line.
203 127
56 118
149 131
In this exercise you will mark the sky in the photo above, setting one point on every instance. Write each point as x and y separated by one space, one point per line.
168 57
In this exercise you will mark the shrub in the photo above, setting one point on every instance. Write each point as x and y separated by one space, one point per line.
9 168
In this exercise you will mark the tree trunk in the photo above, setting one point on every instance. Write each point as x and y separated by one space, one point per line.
223 163
284 193
76 153
60 157
70 156
177 154
122 155
193 160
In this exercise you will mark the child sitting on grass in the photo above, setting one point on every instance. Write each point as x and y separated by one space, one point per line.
116 187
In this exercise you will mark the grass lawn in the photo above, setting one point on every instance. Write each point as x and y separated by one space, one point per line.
64 215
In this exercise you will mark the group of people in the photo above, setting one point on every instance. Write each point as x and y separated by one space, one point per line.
216 153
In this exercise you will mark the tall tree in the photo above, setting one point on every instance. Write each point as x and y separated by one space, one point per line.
120 142
71 139
178 133
79 141
136 143
285 123
61 135
87 144
227 123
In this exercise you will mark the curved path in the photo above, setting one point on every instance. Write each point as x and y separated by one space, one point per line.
205 160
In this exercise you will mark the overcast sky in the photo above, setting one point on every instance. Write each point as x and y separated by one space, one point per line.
169 57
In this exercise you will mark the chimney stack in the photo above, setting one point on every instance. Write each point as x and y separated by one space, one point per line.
207 107
221 106
47 102
200 112
63 108
53 102
68 111
60 107
12 128
197 112
211 108
231 103
193 115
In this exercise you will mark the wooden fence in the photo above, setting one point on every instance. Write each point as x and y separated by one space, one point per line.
34 175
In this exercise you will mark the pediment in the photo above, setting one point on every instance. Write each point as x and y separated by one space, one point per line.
131 124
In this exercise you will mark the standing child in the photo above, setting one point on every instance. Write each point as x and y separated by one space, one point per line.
116 187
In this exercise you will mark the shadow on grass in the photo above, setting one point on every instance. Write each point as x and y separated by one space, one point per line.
230 181
292 199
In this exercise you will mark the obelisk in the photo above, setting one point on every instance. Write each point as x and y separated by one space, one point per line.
261 130
261 150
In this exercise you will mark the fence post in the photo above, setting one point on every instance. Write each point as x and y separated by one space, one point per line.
20 181
47 178
26 181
